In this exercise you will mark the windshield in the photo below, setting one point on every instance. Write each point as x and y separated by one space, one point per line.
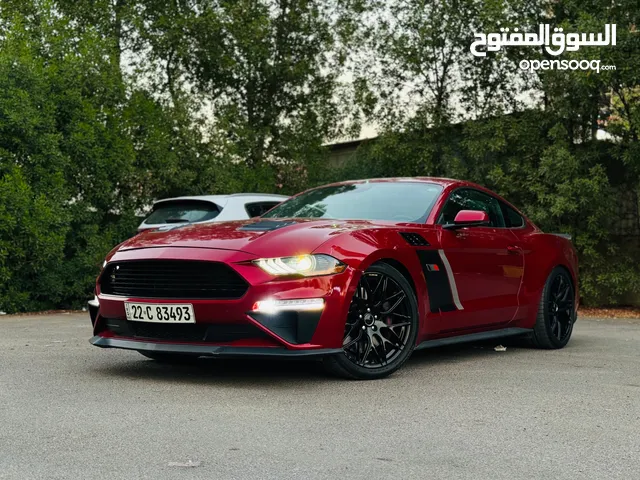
392 201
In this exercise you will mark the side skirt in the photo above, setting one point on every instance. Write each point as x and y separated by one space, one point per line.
473 337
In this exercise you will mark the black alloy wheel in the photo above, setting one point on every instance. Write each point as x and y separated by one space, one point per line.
381 327
556 313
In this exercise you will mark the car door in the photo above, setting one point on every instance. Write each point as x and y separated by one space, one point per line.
484 264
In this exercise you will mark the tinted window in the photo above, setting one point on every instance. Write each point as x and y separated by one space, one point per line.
512 219
393 201
182 211
258 209
470 199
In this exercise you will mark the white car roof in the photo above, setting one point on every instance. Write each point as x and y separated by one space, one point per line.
232 207
221 200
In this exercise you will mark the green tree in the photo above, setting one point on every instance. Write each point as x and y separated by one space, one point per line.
264 71
417 65
80 154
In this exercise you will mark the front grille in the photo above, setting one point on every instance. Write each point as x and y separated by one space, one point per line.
213 333
180 279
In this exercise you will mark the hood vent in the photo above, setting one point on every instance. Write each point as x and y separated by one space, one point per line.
266 225
415 239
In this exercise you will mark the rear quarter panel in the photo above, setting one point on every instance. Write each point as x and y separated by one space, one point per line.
542 253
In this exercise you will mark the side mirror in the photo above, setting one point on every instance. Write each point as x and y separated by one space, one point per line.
468 218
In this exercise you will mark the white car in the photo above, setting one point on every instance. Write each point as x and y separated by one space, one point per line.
201 209
209 208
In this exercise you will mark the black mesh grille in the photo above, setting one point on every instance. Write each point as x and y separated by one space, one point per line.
172 279
415 239
216 333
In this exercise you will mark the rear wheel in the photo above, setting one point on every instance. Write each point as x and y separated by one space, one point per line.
381 328
556 312
163 357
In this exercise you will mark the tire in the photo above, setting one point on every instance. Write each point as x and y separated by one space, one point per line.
381 327
556 311
169 358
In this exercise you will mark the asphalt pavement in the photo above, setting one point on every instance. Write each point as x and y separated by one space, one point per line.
69 410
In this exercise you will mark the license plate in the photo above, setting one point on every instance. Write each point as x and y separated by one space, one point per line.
160 312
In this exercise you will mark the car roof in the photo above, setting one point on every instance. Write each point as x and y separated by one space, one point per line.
221 199
445 182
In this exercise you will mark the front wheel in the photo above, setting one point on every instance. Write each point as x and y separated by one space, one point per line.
556 312
381 327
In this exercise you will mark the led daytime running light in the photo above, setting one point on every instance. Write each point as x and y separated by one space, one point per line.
272 306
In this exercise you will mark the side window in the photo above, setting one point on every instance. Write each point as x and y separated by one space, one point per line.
470 199
512 219
258 209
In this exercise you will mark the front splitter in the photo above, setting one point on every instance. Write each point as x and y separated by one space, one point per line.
211 350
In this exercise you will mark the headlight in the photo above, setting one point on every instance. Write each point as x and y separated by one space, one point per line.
306 265
104 264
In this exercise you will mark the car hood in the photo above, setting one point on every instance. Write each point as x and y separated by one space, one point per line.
264 237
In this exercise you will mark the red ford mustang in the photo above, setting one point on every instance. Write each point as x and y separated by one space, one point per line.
359 273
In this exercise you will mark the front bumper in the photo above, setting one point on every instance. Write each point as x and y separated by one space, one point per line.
211 350
93 306
220 323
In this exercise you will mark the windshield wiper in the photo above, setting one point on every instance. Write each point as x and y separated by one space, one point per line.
176 220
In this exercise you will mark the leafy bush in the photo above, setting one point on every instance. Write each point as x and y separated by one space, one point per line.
32 241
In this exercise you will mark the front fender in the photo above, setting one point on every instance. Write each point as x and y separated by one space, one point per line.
361 249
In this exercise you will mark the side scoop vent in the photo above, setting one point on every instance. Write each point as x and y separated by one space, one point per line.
415 239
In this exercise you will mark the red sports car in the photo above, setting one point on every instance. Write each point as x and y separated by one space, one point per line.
359 273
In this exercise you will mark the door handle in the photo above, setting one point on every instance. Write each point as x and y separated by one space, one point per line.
514 249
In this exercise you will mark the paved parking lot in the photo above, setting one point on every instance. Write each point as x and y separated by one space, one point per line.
69 410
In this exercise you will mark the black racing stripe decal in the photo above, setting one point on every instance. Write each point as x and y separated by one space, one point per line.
438 287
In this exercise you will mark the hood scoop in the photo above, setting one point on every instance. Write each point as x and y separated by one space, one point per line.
266 225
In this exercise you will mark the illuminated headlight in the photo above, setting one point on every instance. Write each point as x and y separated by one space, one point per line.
271 306
306 265
104 264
